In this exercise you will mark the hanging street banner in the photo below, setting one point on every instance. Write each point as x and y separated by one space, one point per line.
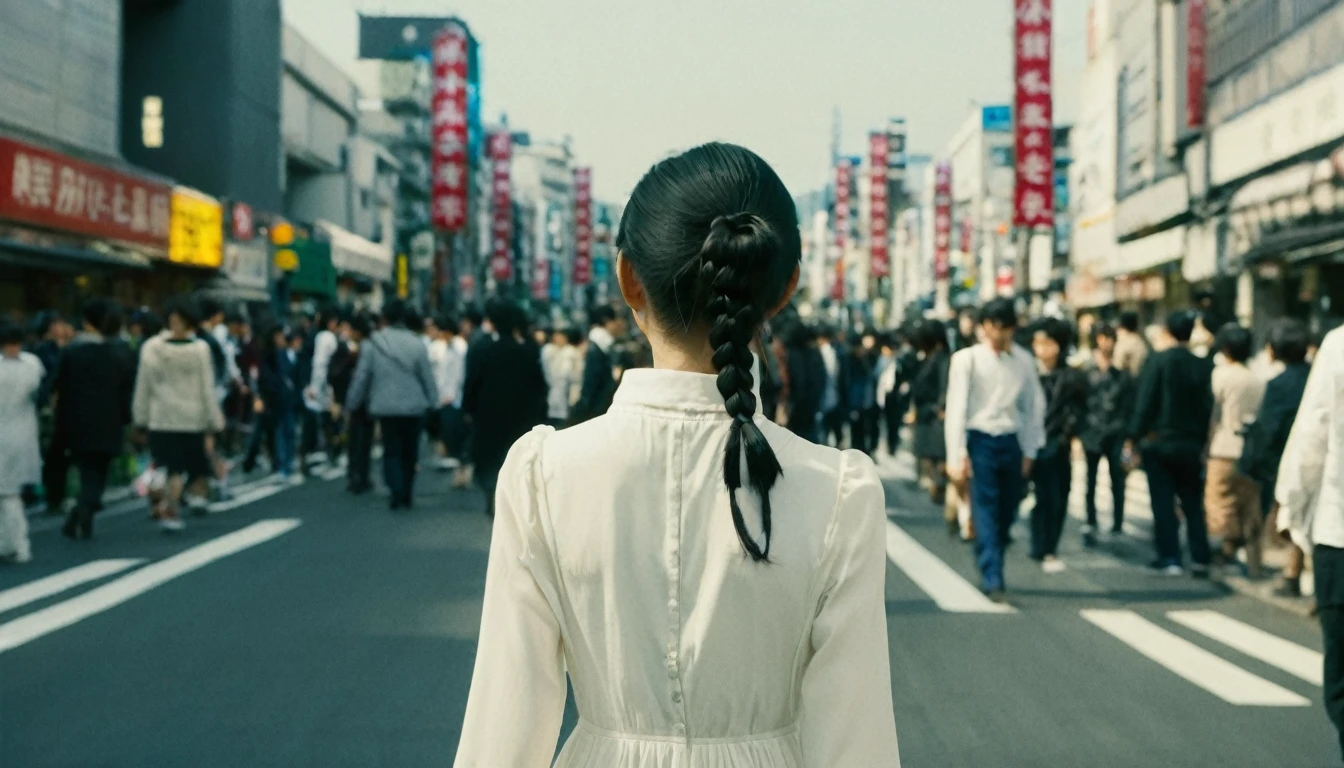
501 206
843 176
878 231
1033 190
942 220
583 226
448 128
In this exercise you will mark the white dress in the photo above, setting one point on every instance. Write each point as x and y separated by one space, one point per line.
614 560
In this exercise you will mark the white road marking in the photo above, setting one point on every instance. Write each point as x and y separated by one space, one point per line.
59 582
1256 643
1222 678
256 494
945 586
63 614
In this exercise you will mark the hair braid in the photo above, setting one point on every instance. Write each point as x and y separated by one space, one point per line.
734 245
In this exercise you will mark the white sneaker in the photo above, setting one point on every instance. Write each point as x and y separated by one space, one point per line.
1053 566
1173 570
25 556
172 524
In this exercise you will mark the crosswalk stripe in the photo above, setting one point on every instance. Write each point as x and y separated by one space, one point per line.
945 586
1256 643
1222 678
59 582
34 625
242 499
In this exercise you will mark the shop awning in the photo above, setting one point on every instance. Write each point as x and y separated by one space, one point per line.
315 276
1152 251
70 258
355 255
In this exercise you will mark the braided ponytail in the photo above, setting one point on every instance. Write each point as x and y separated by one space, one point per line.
736 248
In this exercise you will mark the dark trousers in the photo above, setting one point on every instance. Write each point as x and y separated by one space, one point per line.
263 434
92 466
361 446
1050 475
863 434
1329 565
401 449
893 412
1176 473
55 467
833 423
996 490
1112 449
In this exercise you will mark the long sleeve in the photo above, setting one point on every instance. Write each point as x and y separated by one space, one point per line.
1031 408
214 415
1302 468
358 397
958 392
140 398
846 716
517 695
425 373
1145 400
323 348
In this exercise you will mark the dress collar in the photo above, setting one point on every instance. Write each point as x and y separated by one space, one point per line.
677 390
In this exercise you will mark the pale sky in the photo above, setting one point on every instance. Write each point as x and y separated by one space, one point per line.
633 81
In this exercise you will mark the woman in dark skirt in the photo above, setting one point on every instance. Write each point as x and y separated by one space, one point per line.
175 401
928 401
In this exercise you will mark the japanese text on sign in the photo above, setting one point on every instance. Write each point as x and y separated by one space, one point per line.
1033 190
501 203
583 222
942 220
878 148
448 128
197 234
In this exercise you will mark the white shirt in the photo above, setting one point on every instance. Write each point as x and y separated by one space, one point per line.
1310 489
317 397
559 364
998 394
830 398
450 370
614 559
601 337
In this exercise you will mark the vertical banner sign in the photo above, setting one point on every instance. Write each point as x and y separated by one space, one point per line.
583 226
843 173
879 234
541 278
448 128
896 156
1196 36
501 204
942 219
1033 189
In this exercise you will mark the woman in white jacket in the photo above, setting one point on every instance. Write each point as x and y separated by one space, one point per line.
20 456
175 401
640 553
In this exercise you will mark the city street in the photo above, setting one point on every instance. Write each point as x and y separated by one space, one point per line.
297 626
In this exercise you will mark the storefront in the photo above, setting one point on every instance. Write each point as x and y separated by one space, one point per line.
312 281
363 268
245 276
70 229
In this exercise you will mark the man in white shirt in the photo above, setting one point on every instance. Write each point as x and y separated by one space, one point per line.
994 427
1310 497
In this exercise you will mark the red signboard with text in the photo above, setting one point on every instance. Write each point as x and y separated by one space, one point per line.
1196 36
879 233
583 226
448 126
843 176
47 189
1034 190
942 220
501 206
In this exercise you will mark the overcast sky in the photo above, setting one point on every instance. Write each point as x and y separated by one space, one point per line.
632 80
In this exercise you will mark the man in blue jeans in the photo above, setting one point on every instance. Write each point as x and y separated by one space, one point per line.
994 427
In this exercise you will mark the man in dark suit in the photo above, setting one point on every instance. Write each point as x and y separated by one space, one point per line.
93 387
1169 428
599 385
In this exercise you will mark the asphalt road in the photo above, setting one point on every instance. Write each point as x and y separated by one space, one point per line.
305 628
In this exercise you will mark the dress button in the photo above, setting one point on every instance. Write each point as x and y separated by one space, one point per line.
672 673
672 603
676 696
680 729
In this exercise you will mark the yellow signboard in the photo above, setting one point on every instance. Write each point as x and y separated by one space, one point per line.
286 260
196 232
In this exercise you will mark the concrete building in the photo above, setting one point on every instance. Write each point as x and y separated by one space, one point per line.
981 153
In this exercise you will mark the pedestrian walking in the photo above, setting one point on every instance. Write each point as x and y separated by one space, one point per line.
1110 401
1065 391
93 389
709 249
1268 435
928 409
907 367
561 363
278 403
1232 498
861 393
54 332
994 429
212 331
1168 432
395 382
318 427
505 396
1131 348
359 426
175 401
834 413
599 383
1310 495
807 384
450 370
21 376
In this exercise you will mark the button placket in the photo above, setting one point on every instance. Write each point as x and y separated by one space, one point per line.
673 554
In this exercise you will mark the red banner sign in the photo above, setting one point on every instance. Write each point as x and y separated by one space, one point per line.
843 176
48 189
501 205
1196 36
448 127
583 226
942 220
541 279
1034 189
879 233
242 221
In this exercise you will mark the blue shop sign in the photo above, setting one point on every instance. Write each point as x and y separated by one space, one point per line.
996 119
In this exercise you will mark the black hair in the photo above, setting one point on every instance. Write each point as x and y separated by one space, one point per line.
712 235
504 315
10 332
415 322
474 317
207 307
1234 342
45 321
1288 340
1129 320
96 312
151 325
183 307
1000 312
1058 331
1101 330
601 314
113 321
574 335
1181 325
394 312
446 322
